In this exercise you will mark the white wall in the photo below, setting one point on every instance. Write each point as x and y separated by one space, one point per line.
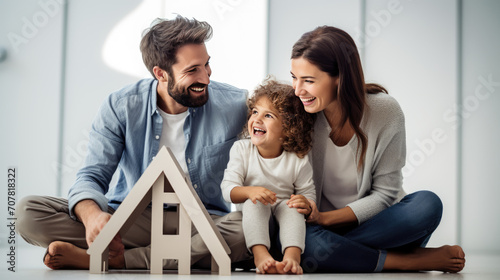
29 90
288 20
89 80
30 79
415 59
481 129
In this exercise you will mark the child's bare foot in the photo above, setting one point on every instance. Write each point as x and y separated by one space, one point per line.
64 255
264 262
288 266
61 255
266 266
446 259
291 262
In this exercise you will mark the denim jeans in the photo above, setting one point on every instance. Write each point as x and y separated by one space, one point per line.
407 224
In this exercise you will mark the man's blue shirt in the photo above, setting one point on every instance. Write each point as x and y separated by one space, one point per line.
126 135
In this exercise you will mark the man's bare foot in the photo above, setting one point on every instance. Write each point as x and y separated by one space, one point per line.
264 262
446 259
64 255
291 262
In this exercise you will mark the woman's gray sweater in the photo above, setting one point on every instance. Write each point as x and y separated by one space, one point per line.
380 178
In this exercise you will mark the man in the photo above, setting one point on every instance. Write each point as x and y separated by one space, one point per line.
181 109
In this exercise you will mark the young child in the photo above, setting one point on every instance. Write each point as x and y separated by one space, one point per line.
270 174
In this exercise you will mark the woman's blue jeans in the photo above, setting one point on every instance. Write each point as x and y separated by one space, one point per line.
407 224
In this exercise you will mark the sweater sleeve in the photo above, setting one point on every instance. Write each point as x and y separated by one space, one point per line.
235 173
383 165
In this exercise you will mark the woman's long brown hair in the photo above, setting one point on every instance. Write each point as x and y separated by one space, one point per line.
333 51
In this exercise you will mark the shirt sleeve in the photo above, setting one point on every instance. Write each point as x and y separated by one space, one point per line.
304 183
105 147
235 173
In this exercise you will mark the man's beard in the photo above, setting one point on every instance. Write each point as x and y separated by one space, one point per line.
182 96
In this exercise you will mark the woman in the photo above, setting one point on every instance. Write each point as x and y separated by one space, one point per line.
364 222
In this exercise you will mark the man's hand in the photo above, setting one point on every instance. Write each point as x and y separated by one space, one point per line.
94 227
94 220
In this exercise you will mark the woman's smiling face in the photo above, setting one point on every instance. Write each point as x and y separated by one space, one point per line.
315 88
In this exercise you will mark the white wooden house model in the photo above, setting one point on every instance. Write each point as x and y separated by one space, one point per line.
164 182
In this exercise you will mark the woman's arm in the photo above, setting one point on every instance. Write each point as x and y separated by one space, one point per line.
335 218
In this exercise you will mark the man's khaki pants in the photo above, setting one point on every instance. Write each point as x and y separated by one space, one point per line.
44 219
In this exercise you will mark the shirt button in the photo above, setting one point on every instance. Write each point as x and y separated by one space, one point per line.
195 186
189 160
157 137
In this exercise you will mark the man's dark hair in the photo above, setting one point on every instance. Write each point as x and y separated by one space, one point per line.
161 41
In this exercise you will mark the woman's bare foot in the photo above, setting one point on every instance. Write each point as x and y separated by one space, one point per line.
446 259
264 262
64 255
291 262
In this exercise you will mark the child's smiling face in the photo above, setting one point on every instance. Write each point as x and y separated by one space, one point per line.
265 129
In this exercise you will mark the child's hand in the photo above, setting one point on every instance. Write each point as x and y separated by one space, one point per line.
261 194
300 202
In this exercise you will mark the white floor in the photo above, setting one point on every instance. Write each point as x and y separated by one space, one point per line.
29 266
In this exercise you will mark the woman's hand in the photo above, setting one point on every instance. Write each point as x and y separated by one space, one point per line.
303 205
315 215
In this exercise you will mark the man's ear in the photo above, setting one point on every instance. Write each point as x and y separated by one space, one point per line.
160 74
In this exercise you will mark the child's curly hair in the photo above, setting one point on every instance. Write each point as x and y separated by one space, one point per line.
297 124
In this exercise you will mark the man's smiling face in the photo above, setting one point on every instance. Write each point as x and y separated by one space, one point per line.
191 76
